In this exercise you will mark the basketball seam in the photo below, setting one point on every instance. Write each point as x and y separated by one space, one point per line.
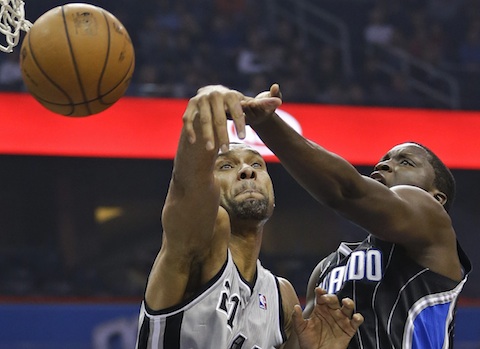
98 98
121 81
74 61
32 54
99 84
75 77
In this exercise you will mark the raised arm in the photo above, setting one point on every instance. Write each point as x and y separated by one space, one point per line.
195 229
403 214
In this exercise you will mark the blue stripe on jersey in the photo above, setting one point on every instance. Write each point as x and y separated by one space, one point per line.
429 327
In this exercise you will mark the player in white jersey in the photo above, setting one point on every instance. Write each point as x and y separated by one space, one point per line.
230 311
207 288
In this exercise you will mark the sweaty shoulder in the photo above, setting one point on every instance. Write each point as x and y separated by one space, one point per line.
421 201
433 241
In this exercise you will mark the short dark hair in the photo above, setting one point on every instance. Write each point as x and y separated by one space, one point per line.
444 180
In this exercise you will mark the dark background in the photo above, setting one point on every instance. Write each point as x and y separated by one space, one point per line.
54 240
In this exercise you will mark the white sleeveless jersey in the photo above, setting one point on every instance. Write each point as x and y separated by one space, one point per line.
227 314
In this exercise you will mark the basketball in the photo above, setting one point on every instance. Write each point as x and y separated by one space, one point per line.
77 59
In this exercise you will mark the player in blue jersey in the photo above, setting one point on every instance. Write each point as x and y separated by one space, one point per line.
406 276
207 288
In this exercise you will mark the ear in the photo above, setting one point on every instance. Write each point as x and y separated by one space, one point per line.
440 197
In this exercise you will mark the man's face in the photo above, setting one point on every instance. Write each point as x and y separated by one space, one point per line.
246 187
405 164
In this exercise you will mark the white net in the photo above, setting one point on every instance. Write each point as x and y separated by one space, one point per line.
12 21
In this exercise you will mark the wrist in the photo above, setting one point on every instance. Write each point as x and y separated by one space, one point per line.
262 121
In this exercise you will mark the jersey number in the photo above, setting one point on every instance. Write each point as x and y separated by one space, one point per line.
239 341
230 306
228 303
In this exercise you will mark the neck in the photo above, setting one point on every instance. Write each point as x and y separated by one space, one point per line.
245 243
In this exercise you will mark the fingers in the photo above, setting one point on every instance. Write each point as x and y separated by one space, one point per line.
357 320
263 105
258 110
206 116
298 320
348 307
232 104
335 313
275 91
322 298
214 121
206 113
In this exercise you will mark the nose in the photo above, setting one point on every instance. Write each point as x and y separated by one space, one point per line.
247 172
382 166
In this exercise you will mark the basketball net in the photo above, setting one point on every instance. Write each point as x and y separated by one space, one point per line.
12 21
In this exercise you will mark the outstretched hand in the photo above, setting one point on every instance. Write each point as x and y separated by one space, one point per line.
212 106
263 105
330 325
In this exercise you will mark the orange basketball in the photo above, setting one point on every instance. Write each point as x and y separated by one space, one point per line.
77 59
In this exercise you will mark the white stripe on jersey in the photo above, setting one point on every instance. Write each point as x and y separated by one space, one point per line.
448 297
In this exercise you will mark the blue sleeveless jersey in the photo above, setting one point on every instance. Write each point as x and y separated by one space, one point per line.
405 305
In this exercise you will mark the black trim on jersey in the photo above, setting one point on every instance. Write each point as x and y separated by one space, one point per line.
173 329
251 285
144 333
464 260
281 312
191 298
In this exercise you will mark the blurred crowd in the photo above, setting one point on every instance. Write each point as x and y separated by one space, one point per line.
184 44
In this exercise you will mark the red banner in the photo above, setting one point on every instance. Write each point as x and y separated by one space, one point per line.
149 128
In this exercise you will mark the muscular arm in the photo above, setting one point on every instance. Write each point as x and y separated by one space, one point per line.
195 230
408 216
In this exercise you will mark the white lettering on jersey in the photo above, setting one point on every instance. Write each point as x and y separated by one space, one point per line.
336 279
361 265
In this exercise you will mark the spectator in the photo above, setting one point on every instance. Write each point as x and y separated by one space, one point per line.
378 31
250 58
